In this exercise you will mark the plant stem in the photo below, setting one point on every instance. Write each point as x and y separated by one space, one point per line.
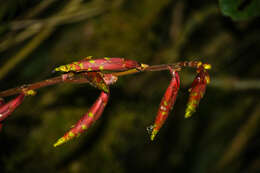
81 78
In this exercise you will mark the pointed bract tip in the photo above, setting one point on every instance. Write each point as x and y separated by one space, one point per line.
189 111
187 114
154 132
56 69
59 142
62 68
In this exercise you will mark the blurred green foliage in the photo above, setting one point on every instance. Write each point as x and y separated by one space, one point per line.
222 136
240 10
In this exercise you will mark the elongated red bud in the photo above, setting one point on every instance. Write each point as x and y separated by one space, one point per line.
8 108
87 120
197 90
109 64
167 103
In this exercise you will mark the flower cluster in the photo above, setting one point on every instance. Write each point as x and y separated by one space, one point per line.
197 90
103 72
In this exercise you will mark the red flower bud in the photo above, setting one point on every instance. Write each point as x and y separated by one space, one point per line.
87 120
197 90
109 64
167 103
8 108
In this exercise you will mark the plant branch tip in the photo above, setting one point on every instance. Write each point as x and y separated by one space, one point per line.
188 113
59 142
152 137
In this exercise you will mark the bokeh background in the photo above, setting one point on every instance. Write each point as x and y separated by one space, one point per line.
222 136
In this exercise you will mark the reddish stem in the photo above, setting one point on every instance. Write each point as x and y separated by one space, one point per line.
81 77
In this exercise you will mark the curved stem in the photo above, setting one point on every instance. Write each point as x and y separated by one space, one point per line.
78 78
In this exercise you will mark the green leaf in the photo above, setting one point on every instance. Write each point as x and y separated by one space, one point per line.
240 9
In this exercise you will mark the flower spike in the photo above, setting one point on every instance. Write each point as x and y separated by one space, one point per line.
103 72
167 103
197 90
87 120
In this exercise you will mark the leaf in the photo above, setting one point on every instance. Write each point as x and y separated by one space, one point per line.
240 9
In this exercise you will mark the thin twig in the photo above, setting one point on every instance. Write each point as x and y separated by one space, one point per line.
77 78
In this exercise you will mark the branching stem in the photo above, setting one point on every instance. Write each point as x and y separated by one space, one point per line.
81 77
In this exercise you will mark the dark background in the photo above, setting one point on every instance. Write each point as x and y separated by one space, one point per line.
222 136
